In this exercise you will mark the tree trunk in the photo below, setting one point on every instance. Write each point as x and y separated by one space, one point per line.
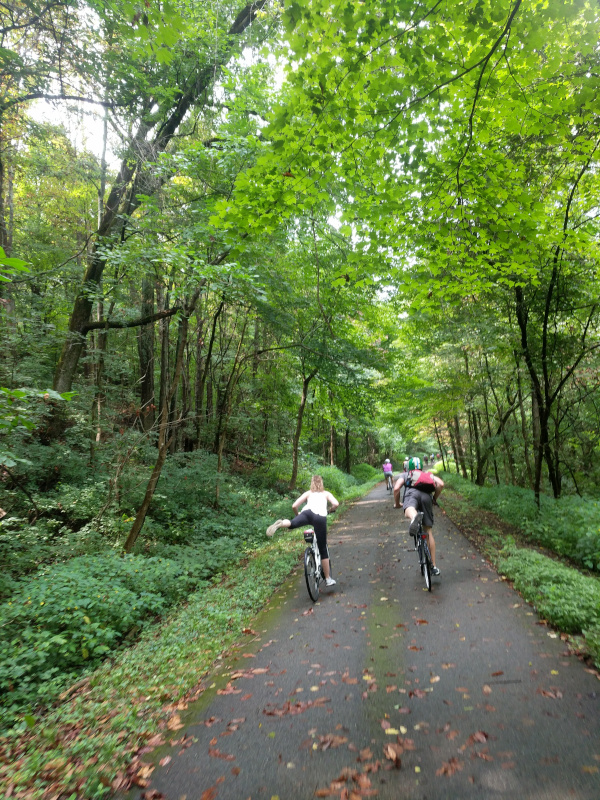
524 434
347 448
440 445
205 379
225 408
459 448
490 436
146 357
163 329
296 443
163 431
199 386
480 458
332 446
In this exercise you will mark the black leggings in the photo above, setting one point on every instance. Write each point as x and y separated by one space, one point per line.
319 523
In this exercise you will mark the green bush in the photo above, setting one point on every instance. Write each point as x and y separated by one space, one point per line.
337 482
365 473
69 616
592 640
570 526
561 594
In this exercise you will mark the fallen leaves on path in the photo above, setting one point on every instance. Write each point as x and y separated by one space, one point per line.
294 708
450 767
350 785
175 723
479 737
331 740
553 693
229 689
392 751
215 753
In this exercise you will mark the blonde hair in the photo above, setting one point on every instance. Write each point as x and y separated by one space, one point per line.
316 484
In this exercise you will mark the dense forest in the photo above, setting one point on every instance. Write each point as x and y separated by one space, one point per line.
244 243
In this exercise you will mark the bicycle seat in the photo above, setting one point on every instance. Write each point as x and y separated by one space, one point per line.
308 535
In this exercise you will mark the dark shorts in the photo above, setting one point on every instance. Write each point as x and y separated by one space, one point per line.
317 522
422 501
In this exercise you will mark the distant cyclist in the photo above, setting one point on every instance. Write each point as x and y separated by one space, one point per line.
388 473
421 492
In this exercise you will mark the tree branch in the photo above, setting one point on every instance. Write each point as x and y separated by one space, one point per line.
133 323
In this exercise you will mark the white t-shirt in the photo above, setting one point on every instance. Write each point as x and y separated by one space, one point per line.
317 503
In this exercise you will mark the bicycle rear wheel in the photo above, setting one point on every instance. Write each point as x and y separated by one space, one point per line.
310 573
427 566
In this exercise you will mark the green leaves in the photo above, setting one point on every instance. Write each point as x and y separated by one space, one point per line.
10 266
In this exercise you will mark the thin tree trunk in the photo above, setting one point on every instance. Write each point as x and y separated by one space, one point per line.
161 303
205 379
489 433
537 449
198 387
453 446
296 443
225 410
347 448
163 432
440 445
459 448
146 357
332 446
524 434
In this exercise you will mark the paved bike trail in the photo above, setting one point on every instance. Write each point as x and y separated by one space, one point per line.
485 700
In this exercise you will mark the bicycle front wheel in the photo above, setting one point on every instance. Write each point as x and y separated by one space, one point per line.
310 573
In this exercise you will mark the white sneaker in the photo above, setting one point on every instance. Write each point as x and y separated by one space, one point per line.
413 528
274 527
329 582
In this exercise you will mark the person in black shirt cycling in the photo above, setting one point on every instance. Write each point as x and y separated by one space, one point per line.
419 496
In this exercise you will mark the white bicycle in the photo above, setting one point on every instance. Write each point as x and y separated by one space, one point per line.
313 569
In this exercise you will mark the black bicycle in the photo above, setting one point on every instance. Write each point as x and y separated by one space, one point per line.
422 548
389 481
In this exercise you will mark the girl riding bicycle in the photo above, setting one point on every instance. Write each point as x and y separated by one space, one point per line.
314 513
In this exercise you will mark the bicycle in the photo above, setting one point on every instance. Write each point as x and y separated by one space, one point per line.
422 548
389 481
313 569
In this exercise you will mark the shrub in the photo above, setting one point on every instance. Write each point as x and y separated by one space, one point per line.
561 594
570 526
69 616
337 482
365 473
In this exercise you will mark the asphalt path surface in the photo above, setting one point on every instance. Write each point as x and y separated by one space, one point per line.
478 699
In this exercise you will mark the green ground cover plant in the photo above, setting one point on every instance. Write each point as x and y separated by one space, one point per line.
569 526
561 595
